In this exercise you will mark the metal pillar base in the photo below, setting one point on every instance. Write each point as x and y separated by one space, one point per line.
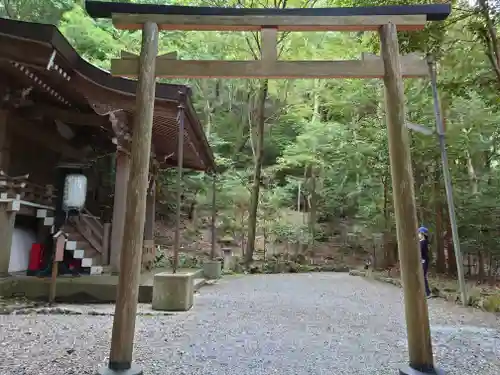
407 370
133 370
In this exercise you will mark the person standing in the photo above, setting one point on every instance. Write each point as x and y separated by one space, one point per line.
423 235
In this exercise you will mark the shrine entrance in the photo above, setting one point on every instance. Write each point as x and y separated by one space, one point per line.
390 66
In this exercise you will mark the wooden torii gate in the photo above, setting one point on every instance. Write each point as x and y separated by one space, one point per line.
391 67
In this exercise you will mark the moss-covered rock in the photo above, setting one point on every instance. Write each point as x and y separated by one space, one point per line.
490 303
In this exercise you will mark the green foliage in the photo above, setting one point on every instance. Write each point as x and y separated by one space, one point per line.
330 132
94 42
45 11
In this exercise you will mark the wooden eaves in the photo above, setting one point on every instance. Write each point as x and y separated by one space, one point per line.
83 96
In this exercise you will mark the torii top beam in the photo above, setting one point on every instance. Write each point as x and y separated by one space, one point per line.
168 17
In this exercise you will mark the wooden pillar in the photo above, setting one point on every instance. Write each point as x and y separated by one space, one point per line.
178 186
122 340
214 217
7 220
148 252
416 313
122 173
7 216
105 242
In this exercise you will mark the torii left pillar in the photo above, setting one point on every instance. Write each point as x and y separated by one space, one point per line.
417 317
122 339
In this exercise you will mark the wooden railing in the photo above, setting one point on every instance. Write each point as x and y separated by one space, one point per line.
91 228
14 186
39 194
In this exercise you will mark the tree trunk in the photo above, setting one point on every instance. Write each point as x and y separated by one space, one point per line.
480 265
207 110
264 234
419 177
312 174
242 237
387 259
448 239
452 261
438 209
490 38
491 279
312 212
254 200
474 182
298 198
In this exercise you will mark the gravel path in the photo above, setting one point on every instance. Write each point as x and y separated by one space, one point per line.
277 324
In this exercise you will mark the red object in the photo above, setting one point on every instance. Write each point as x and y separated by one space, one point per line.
75 264
36 257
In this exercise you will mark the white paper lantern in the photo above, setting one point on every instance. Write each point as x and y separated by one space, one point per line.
75 192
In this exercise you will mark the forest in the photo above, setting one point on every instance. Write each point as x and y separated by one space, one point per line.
303 165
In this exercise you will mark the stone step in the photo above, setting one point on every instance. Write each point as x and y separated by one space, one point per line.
43 213
94 270
78 245
90 262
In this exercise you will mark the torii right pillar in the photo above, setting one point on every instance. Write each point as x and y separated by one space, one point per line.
416 313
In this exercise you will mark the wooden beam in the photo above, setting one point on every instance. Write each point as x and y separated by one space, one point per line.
411 67
165 56
67 116
122 339
51 140
281 22
413 55
416 313
128 55
269 44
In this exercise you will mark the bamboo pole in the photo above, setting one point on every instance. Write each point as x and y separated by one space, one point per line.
416 313
180 164
447 183
122 339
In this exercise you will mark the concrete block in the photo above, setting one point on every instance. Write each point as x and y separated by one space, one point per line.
212 269
407 370
173 291
133 370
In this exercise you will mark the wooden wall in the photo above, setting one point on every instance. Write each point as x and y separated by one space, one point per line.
30 155
27 156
